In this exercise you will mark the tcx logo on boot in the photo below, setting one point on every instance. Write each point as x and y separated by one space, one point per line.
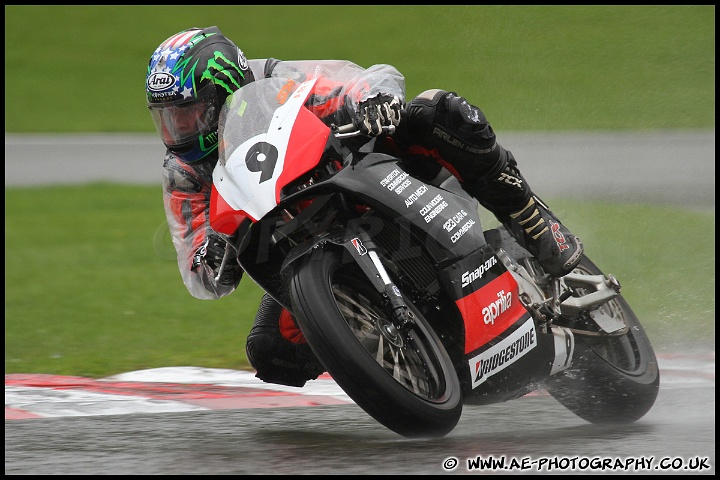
558 236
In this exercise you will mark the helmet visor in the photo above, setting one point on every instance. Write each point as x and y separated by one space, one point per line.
181 121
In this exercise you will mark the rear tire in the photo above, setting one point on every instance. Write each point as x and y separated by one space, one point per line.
404 380
613 379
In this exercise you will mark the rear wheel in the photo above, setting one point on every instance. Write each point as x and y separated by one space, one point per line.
402 378
614 377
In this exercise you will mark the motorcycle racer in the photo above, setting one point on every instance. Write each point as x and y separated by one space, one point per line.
189 77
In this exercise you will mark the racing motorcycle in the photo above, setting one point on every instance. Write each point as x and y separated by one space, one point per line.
413 308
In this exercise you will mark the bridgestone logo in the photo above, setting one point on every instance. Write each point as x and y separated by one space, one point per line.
505 353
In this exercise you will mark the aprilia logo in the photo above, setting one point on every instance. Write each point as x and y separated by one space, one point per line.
495 309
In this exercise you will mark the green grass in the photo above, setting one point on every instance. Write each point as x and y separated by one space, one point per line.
564 67
92 286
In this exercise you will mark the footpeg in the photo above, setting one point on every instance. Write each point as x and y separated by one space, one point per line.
606 288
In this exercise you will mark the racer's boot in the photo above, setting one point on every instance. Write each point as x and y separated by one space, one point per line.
508 196
468 148
276 348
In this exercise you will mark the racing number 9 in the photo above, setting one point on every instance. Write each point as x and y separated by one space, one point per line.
262 157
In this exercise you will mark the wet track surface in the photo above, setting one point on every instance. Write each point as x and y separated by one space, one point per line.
256 432
535 431
342 439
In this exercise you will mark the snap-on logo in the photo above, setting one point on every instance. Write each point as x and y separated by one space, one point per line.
160 81
470 276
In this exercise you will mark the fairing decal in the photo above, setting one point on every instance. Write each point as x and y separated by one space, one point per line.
503 354
251 179
489 311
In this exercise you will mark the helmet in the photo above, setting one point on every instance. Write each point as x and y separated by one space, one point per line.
188 79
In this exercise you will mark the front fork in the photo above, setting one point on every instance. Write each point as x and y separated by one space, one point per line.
364 252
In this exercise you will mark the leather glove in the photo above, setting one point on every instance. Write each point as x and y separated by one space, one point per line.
377 112
211 254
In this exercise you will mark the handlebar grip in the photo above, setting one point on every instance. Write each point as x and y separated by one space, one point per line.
348 128
351 130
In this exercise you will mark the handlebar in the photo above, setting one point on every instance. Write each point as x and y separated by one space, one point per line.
351 130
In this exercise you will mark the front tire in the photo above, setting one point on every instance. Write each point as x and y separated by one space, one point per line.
614 379
404 380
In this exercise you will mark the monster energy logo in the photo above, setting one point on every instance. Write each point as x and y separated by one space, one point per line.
218 73
209 142
217 68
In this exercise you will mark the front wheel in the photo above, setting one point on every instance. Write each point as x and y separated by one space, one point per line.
403 379
614 378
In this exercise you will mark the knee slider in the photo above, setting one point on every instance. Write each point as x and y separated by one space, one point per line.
260 348
276 360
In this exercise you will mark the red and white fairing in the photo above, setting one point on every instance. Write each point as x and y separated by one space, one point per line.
247 184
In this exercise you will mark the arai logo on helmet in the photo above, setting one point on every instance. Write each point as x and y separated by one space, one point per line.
160 81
